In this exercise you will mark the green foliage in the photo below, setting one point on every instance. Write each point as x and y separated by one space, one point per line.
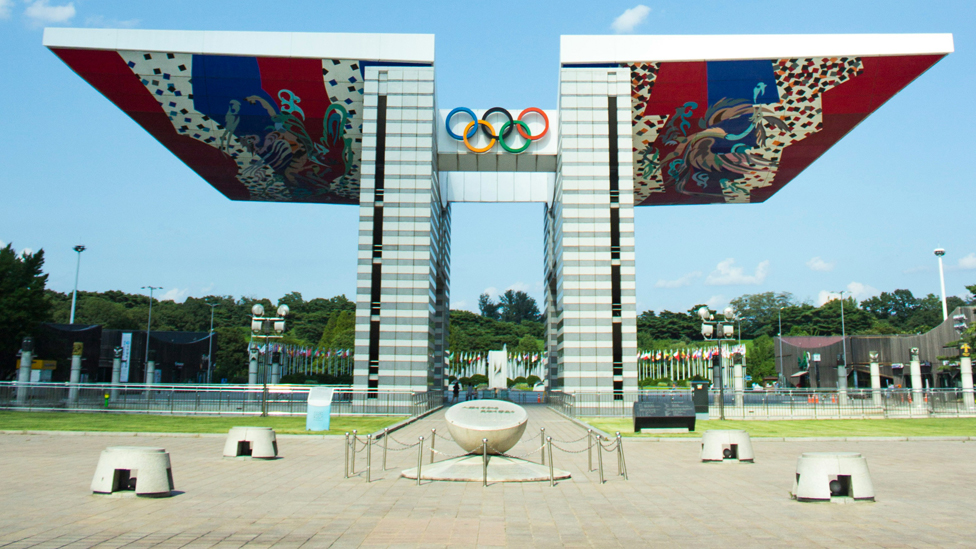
668 325
518 307
340 331
474 333
22 302
488 308
761 359
533 380
317 379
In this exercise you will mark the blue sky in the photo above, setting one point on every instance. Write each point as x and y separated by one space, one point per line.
865 217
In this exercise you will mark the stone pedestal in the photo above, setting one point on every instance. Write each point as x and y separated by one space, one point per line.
499 421
832 476
150 372
727 445
136 469
275 373
254 442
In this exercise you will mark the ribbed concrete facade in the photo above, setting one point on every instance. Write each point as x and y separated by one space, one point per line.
404 236
591 297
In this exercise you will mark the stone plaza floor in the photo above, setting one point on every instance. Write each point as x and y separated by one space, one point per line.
926 491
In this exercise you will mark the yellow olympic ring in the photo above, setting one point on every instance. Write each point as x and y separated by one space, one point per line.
487 147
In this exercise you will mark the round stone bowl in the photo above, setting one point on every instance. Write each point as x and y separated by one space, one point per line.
499 421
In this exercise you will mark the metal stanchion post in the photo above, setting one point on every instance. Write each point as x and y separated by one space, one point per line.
433 439
599 456
369 461
484 460
345 456
386 436
352 460
589 450
620 457
542 437
552 478
420 458
620 467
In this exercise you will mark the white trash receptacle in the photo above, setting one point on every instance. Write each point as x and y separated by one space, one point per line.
319 411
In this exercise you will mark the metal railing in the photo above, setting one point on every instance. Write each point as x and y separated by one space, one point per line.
786 403
208 399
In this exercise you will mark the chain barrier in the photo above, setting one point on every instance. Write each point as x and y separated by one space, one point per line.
609 447
448 455
405 446
560 448
522 456
355 442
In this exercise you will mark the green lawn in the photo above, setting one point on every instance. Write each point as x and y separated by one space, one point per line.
813 427
144 423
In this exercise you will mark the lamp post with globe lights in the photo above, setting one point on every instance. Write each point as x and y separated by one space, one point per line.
721 331
939 252
267 328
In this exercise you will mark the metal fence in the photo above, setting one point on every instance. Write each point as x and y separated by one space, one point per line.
278 400
786 404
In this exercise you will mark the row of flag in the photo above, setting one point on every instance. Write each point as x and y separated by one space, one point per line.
690 354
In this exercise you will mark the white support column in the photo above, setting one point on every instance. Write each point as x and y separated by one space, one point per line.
918 398
116 371
966 372
75 378
738 384
151 372
403 296
875 379
23 374
252 365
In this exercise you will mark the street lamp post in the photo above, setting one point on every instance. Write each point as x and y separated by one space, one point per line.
939 252
210 345
74 296
779 318
268 328
725 329
842 367
149 329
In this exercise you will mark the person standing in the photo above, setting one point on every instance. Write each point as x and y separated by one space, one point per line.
457 391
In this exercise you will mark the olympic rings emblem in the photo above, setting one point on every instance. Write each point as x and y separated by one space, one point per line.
504 132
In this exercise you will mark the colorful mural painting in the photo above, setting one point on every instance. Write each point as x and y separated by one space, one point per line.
256 128
737 131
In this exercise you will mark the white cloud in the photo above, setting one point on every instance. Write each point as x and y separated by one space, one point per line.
207 289
817 264
630 18
519 287
727 274
6 6
492 292
461 304
26 252
175 294
717 302
856 290
679 282
40 12
968 262
102 21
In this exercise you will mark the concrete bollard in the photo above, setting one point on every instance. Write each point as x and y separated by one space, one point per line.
726 445
832 476
116 464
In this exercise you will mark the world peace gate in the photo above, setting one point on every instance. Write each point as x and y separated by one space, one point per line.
353 119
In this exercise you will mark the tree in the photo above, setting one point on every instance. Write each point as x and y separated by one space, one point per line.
517 306
758 312
340 331
488 308
22 302
528 344
761 362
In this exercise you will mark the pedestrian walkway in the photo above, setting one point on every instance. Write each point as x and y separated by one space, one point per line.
924 497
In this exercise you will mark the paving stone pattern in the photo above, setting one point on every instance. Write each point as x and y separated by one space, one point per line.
925 492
